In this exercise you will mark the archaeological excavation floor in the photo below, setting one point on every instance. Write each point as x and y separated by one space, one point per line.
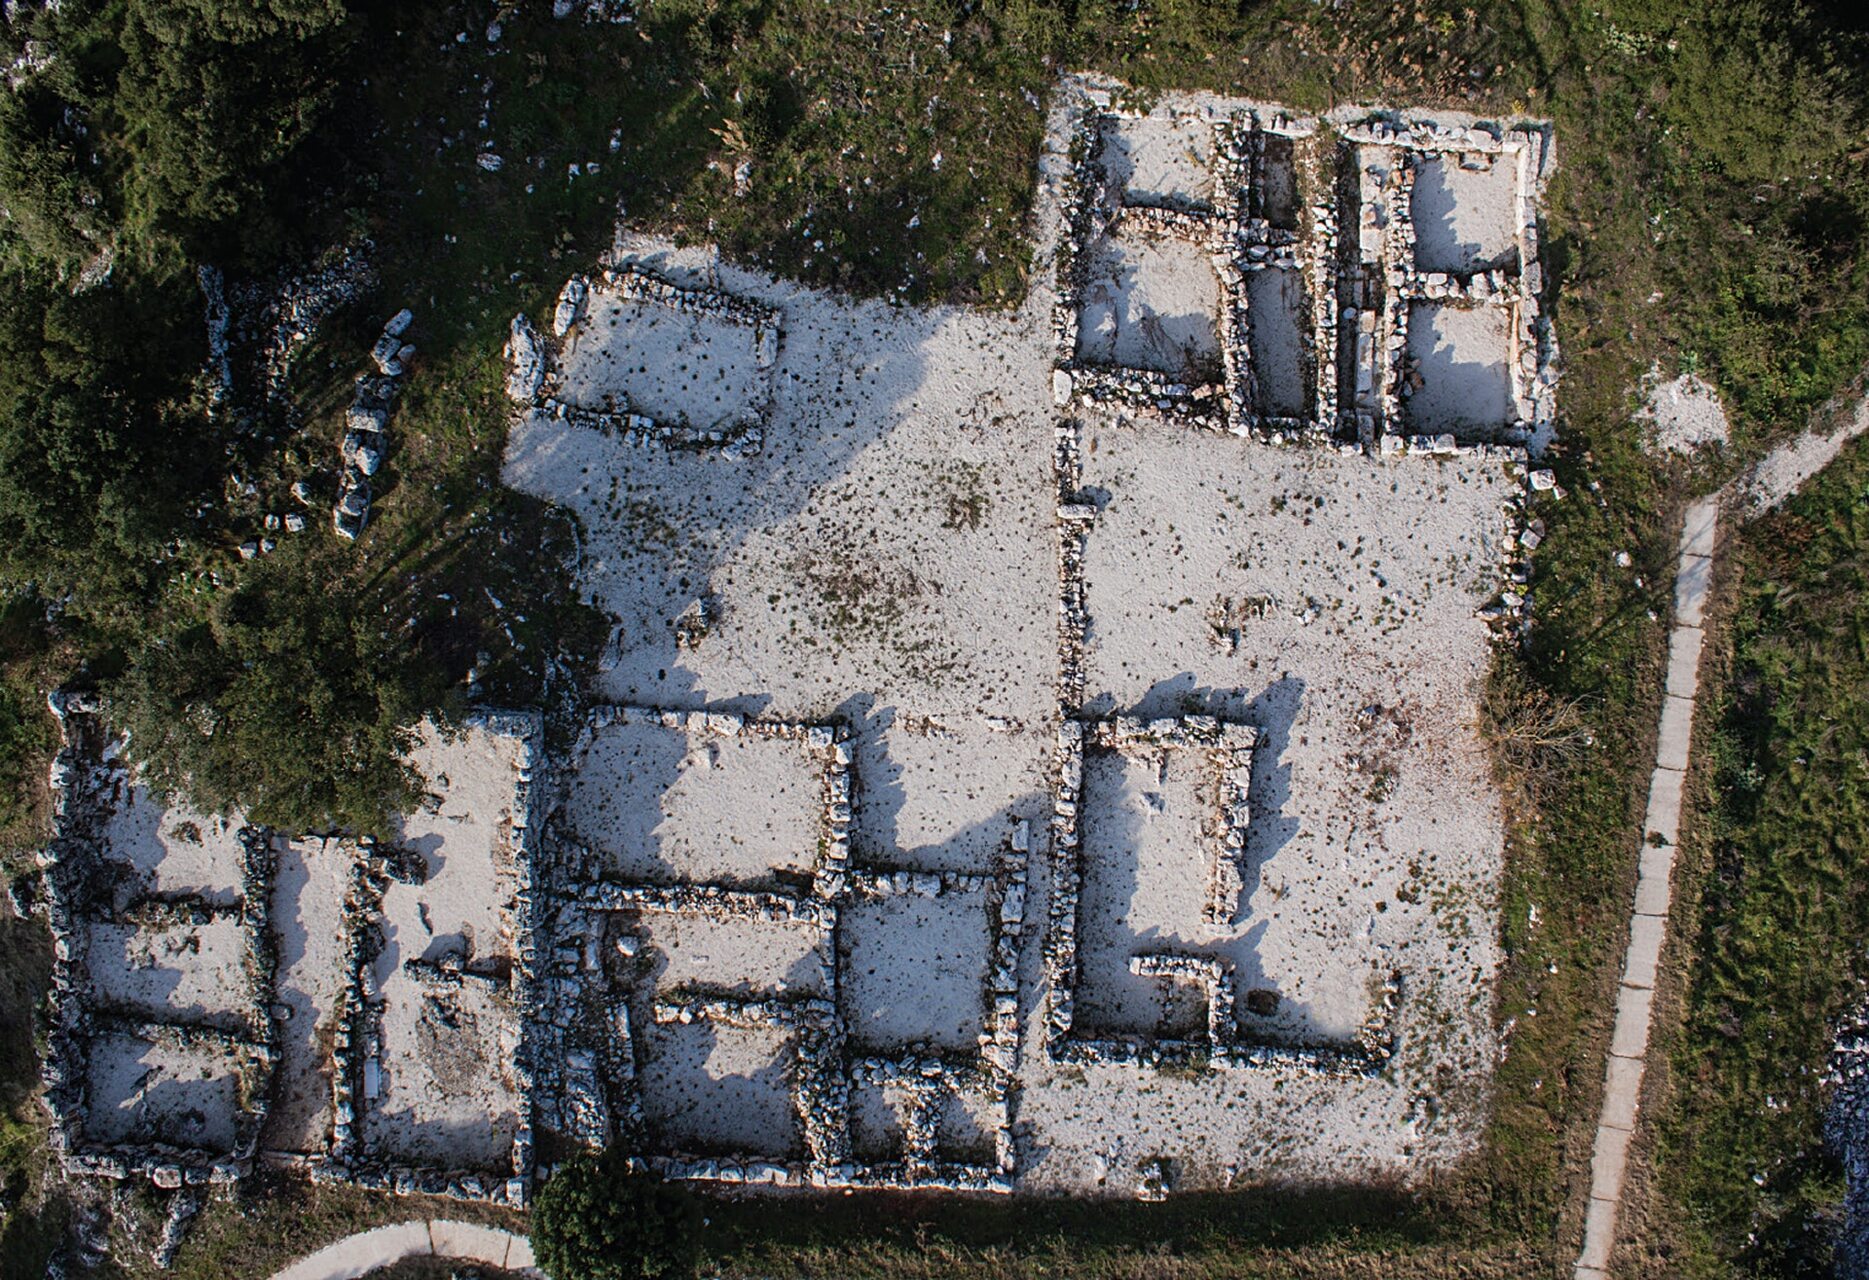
1036 751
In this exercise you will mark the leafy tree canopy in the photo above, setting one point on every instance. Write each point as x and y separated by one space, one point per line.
599 1220
294 697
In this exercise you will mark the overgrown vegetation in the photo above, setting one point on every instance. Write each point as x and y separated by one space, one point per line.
1709 213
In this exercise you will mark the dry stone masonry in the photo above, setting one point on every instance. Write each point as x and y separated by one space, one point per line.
1227 751
162 1033
627 1078
650 325
366 436
859 739
1390 335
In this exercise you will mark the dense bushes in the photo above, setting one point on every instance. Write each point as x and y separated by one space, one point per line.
293 697
598 1220
158 126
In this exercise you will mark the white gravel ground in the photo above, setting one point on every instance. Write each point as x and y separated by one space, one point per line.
144 1092
173 849
308 921
448 1094
1466 219
1682 415
663 805
663 363
889 562
1466 380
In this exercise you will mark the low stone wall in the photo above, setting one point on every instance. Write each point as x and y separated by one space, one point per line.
85 775
533 360
1345 284
357 1040
599 1092
1238 240
366 422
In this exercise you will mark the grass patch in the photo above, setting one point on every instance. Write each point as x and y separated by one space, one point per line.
1785 902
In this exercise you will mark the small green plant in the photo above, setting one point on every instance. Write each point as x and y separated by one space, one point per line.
599 1219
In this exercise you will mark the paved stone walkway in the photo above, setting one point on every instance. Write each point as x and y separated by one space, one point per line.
362 1253
1628 1049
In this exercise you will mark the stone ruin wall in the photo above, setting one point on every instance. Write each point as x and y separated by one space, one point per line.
597 1099
1365 278
534 368
76 870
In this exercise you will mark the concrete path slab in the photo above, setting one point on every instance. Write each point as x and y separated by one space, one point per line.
1646 934
1664 806
1654 895
1609 1163
1690 589
360 1254
1633 1005
470 1240
1654 885
1677 727
1700 529
1684 661
1622 1087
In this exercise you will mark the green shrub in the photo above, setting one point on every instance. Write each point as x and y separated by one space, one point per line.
597 1219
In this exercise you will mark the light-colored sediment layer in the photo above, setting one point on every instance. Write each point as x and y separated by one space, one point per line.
309 889
750 957
148 1091
1461 355
943 798
1164 160
1146 869
174 849
1466 214
709 1088
448 1094
914 970
663 363
191 973
1149 302
662 805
